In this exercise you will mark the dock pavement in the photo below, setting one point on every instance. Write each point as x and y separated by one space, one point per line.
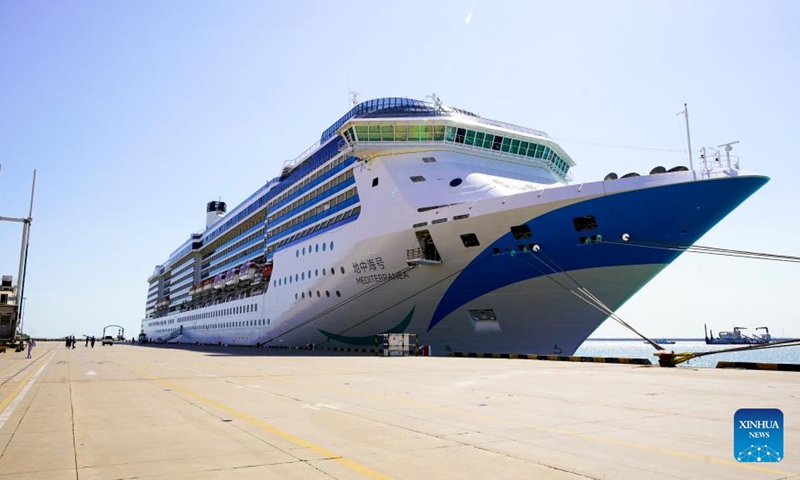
161 412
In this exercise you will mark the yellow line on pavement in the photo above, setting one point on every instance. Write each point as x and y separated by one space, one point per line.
555 430
9 368
323 452
16 390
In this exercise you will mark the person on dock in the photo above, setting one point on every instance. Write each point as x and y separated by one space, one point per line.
31 344
69 341
92 340
87 342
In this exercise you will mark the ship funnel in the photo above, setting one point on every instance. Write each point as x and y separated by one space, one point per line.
215 211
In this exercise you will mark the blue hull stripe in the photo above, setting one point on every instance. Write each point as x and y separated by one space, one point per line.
674 214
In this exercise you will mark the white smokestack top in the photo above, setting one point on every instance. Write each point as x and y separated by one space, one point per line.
214 211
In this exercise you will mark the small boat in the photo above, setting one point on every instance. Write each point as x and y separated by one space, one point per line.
736 337
662 341
233 277
219 281
247 272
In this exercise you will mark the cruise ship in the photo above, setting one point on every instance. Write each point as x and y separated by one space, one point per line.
409 216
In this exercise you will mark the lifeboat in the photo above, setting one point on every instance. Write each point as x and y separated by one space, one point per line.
247 272
193 290
219 281
233 277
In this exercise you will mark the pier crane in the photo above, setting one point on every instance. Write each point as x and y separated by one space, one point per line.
12 297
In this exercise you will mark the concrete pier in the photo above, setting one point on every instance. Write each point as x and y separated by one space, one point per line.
124 412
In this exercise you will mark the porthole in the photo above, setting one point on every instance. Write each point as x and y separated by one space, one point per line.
333 272
316 247
297 253
316 273
303 276
342 268
310 295
304 250
331 245
296 277
327 293
309 274
323 246
295 296
323 272
318 294
455 182
303 294
338 294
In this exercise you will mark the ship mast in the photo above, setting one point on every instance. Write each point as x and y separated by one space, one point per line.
685 113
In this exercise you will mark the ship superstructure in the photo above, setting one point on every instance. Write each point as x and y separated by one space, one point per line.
410 216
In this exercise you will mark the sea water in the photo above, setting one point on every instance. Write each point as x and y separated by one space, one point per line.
639 349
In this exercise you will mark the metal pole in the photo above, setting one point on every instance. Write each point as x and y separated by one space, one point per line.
688 136
21 264
23 255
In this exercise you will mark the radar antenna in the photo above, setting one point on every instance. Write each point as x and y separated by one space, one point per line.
436 100
353 97
728 147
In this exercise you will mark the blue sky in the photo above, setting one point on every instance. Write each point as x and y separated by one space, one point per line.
137 113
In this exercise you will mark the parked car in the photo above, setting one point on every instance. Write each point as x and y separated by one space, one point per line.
108 340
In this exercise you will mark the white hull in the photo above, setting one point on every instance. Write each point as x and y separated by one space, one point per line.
512 241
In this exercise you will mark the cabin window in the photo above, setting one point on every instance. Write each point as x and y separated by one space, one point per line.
484 315
470 240
417 178
375 182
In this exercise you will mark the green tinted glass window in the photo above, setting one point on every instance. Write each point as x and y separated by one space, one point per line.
438 133
487 140
400 133
413 133
374 133
523 148
361 131
387 133
506 144
514 146
425 133
450 134
470 138
479 139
